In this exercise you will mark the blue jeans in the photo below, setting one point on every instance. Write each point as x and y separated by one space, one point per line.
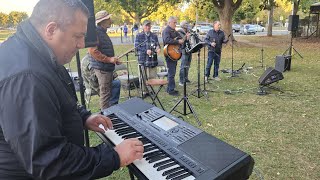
213 57
172 66
115 92
185 61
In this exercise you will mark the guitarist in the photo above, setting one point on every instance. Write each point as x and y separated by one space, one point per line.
186 56
171 36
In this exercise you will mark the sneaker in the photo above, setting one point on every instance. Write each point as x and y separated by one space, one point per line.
217 79
174 93
206 79
145 94
180 84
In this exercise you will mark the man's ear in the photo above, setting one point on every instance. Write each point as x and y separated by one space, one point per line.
51 30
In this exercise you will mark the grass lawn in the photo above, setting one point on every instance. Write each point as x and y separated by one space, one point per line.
279 130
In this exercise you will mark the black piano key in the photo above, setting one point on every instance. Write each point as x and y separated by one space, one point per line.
178 173
150 148
117 122
182 176
151 153
119 126
144 140
157 158
123 133
162 163
155 155
112 116
134 135
123 129
170 171
166 166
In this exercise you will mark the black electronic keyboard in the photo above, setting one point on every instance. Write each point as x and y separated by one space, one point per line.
173 149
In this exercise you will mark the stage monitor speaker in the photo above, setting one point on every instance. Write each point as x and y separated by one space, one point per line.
91 37
270 76
293 23
283 63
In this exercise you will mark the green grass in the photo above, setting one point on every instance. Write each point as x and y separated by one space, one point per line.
4 34
279 130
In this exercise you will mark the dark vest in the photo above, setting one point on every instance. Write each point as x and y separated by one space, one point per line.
105 46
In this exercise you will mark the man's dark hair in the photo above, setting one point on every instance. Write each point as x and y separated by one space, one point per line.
59 11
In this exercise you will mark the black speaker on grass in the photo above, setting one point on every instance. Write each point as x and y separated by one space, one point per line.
293 23
283 63
91 38
270 76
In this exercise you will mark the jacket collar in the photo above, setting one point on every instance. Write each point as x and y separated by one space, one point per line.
101 29
29 34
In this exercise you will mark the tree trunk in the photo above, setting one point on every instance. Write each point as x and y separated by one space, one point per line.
295 7
270 21
225 16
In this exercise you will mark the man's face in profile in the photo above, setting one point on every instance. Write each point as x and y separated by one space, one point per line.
66 41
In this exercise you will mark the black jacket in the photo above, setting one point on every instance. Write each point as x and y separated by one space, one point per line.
170 36
219 38
41 125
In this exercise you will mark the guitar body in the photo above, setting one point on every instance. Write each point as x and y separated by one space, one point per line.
172 51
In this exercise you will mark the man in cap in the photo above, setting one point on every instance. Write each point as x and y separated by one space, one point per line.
41 124
171 36
186 56
103 61
148 47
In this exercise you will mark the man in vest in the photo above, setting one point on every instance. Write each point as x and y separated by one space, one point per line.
103 61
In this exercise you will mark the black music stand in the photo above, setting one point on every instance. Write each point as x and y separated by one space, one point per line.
233 74
204 74
186 101
132 50
197 48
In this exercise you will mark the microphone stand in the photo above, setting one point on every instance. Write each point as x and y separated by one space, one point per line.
232 69
127 62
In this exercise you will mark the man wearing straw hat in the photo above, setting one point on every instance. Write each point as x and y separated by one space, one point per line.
103 61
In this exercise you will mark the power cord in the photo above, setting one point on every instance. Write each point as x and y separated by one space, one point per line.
258 173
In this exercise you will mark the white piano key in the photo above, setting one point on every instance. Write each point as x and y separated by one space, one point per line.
143 165
151 173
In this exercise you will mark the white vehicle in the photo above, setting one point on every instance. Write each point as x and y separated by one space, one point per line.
155 29
259 28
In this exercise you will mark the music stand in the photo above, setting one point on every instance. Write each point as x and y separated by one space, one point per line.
197 48
232 68
185 101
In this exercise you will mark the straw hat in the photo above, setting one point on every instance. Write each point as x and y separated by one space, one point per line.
102 15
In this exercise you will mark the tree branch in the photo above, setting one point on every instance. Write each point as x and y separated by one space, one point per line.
216 3
236 5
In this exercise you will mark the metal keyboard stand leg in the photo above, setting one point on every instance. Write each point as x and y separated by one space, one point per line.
185 101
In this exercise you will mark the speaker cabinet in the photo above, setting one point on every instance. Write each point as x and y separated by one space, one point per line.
283 63
91 38
270 76
293 23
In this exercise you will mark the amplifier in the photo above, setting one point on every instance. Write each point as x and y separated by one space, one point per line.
283 63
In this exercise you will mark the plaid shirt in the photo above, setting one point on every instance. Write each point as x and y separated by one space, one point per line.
150 40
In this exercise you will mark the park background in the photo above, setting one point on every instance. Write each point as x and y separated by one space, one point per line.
279 130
